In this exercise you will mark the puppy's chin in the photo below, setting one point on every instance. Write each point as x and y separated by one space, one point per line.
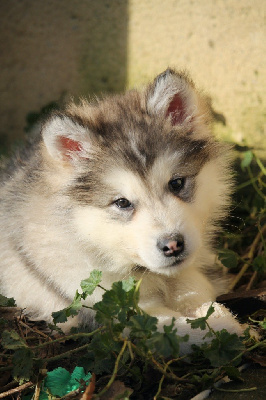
167 270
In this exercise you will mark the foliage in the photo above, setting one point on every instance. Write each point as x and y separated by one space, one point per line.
243 240
127 346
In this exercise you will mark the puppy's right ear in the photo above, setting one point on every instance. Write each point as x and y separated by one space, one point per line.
173 95
65 139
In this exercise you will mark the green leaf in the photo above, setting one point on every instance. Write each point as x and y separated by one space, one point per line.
248 156
129 284
59 382
12 341
89 285
223 348
104 346
201 322
210 311
23 362
228 258
142 325
197 323
106 310
232 372
59 316
7 302
263 324
75 306
259 263
166 343
116 303
73 309
76 377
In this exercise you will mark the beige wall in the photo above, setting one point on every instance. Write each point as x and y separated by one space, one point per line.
55 48
221 42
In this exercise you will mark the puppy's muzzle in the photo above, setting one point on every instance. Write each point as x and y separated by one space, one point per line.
171 246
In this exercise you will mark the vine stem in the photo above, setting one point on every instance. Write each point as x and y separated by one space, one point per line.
254 184
114 372
249 256
158 366
16 390
163 377
64 338
66 354
37 390
263 343
236 390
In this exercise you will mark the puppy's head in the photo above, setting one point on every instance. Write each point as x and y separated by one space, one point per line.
145 181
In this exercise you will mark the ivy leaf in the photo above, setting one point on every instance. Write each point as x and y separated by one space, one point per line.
89 285
248 156
107 308
233 372
59 316
105 365
59 382
129 284
228 258
201 322
103 345
263 324
12 341
116 303
77 375
23 362
223 348
7 302
142 325
160 343
197 323
71 310
166 343
204 380
259 263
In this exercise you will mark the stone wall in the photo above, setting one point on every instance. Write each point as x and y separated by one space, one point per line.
51 50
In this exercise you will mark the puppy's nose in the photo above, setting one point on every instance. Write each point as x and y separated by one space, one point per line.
171 246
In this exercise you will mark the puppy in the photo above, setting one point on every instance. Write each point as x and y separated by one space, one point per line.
133 184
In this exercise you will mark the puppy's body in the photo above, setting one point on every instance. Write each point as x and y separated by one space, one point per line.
131 185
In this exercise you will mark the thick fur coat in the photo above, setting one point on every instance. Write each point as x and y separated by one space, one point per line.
131 185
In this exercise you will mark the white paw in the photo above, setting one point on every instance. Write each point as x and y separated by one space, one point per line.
222 318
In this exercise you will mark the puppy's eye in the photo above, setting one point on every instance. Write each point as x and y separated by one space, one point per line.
123 203
175 185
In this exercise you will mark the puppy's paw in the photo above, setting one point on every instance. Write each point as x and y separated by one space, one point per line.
221 318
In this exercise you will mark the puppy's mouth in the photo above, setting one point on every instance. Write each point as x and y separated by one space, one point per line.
176 262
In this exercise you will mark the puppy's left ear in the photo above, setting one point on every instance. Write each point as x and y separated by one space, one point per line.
66 140
173 95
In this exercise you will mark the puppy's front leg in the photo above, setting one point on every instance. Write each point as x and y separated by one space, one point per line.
220 319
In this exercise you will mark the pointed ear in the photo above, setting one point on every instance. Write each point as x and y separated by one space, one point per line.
173 94
66 139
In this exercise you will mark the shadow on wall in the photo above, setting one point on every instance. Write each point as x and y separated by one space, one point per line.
104 59
53 50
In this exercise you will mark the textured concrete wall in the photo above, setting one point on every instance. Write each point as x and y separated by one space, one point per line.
221 42
50 49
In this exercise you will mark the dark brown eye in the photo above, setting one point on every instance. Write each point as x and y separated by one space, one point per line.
123 203
175 185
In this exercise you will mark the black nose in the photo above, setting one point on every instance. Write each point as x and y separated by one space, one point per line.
171 246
